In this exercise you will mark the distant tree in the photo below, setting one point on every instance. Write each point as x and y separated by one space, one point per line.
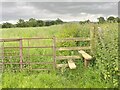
7 25
117 19
32 22
47 23
83 22
52 22
40 23
111 19
58 21
21 23
101 19
0 25
87 21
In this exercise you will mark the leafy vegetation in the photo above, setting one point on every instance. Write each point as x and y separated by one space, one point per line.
103 74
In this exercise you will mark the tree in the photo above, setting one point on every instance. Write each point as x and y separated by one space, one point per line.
83 22
7 25
58 21
0 25
40 23
111 19
47 23
101 19
117 19
32 22
21 23
52 22
87 21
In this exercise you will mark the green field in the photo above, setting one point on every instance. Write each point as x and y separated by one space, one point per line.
103 73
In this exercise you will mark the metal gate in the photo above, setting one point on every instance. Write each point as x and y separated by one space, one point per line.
21 54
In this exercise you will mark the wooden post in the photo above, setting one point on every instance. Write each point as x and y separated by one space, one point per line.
21 56
54 51
3 56
85 63
92 42
29 52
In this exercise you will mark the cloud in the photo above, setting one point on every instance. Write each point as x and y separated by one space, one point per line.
60 0
51 10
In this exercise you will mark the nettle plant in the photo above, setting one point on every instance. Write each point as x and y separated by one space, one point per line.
107 55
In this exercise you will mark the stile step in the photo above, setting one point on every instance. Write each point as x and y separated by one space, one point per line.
85 55
71 64
61 65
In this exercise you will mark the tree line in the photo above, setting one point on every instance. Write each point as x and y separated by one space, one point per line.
110 19
32 23
39 23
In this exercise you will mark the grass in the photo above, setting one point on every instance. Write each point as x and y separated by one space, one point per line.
69 79
92 77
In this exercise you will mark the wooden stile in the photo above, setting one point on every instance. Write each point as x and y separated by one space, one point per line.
54 48
71 64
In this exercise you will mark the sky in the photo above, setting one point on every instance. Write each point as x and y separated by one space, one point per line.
67 11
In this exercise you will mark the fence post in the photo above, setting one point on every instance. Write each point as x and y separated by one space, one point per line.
3 56
29 52
54 51
93 40
100 35
21 56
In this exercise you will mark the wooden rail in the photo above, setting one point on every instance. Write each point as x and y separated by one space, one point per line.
67 57
73 48
73 39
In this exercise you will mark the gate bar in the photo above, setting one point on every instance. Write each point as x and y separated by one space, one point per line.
21 56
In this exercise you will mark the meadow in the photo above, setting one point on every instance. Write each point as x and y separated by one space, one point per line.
103 73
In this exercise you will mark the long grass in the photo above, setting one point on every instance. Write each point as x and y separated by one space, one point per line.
63 78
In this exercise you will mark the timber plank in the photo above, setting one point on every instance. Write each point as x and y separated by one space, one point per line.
73 39
67 57
71 64
61 65
85 55
72 48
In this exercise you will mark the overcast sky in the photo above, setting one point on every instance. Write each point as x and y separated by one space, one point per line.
67 11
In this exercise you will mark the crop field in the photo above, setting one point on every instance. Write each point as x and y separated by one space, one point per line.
102 73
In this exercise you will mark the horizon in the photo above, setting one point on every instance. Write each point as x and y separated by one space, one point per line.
15 21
